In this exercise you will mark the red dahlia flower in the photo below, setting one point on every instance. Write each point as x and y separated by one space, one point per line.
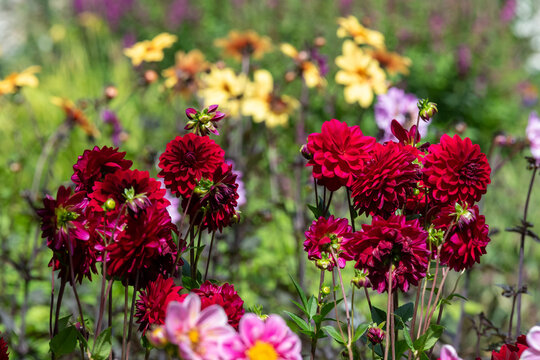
468 236
224 296
4 354
94 164
338 152
187 160
395 243
456 170
386 181
511 351
326 235
134 188
153 301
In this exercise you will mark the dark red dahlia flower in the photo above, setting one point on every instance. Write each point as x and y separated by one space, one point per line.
468 236
386 181
326 236
94 164
187 160
511 351
4 354
215 198
393 243
143 245
456 170
339 151
134 188
153 301
223 295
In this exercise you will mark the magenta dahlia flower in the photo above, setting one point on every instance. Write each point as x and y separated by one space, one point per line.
391 244
262 339
94 164
153 301
205 121
197 333
187 160
338 152
386 181
456 170
325 235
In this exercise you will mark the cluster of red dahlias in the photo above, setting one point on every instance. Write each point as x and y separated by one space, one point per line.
421 198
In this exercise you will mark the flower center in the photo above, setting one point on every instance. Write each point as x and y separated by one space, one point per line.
469 171
190 158
193 336
64 216
262 351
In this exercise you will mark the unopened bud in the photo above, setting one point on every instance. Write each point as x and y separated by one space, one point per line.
375 335
109 204
323 264
325 290
427 109
305 152
319 41
157 337
150 76
110 92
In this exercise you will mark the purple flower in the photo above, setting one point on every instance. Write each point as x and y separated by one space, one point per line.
178 12
398 105
508 11
320 60
112 11
533 134
109 117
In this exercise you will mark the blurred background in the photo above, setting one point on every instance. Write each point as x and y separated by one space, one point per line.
479 61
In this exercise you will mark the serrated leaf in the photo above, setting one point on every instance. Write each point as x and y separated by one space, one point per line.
102 346
300 293
360 330
64 342
334 334
299 321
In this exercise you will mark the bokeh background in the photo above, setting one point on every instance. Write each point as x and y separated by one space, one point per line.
478 60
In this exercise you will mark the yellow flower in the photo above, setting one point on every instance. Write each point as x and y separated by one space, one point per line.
350 26
263 104
361 75
75 116
249 43
150 50
223 87
15 80
310 72
391 61
183 75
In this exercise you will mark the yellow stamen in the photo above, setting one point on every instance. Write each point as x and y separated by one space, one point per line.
262 351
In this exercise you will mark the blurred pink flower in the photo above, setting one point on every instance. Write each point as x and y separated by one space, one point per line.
172 209
533 134
508 11
533 340
449 353
198 334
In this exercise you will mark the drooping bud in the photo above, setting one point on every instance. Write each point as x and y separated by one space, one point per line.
323 264
463 215
426 109
360 279
375 335
305 152
203 187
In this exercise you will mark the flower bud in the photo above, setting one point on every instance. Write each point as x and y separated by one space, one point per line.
150 76
290 76
110 92
319 41
109 204
360 279
435 236
426 109
375 335
305 152
323 264
325 290
157 337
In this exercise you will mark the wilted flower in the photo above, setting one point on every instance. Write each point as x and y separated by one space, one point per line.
311 65
361 75
14 81
248 43
533 135
262 339
263 104
183 76
150 50
223 87
350 26
204 121
75 116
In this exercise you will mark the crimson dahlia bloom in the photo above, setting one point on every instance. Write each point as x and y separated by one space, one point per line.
187 160
153 301
511 351
325 235
456 170
338 152
224 296
396 243
468 237
94 164
134 188
4 354
386 181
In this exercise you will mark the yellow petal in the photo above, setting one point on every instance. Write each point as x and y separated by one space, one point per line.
288 50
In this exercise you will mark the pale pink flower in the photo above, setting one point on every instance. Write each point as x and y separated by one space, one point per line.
533 340
262 339
449 353
198 334
533 134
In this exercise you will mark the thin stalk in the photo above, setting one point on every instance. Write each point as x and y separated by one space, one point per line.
132 311
335 306
422 301
437 262
209 255
327 207
368 298
178 250
388 312
351 211
439 292
417 133
51 308
319 299
349 330
74 286
316 192
58 304
126 300
413 322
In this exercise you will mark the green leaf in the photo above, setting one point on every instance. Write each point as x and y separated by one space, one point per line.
299 321
360 330
378 315
405 311
334 334
315 211
311 307
300 293
64 342
401 347
326 308
406 334
189 283
451 296
63 322
102 346
429 339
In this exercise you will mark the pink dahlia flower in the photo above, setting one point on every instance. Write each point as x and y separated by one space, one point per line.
262 339
449 353
533 134
533 340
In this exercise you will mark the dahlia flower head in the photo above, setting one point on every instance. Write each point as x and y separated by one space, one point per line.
513 351
393 245
456 170
188 159
262 339
386 181
327 236
4 354
338 152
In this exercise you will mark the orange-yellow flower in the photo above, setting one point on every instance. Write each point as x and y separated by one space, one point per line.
262 104
15 80
223 87
392 62
361 75
75 116
150 50
248 43
310 72
183 76
350 26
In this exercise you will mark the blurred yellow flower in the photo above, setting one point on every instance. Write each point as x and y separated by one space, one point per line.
224 88
14 81
350 26
392 62
150 50
183 76
361 75
263 104
75 116
310 72
248 43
